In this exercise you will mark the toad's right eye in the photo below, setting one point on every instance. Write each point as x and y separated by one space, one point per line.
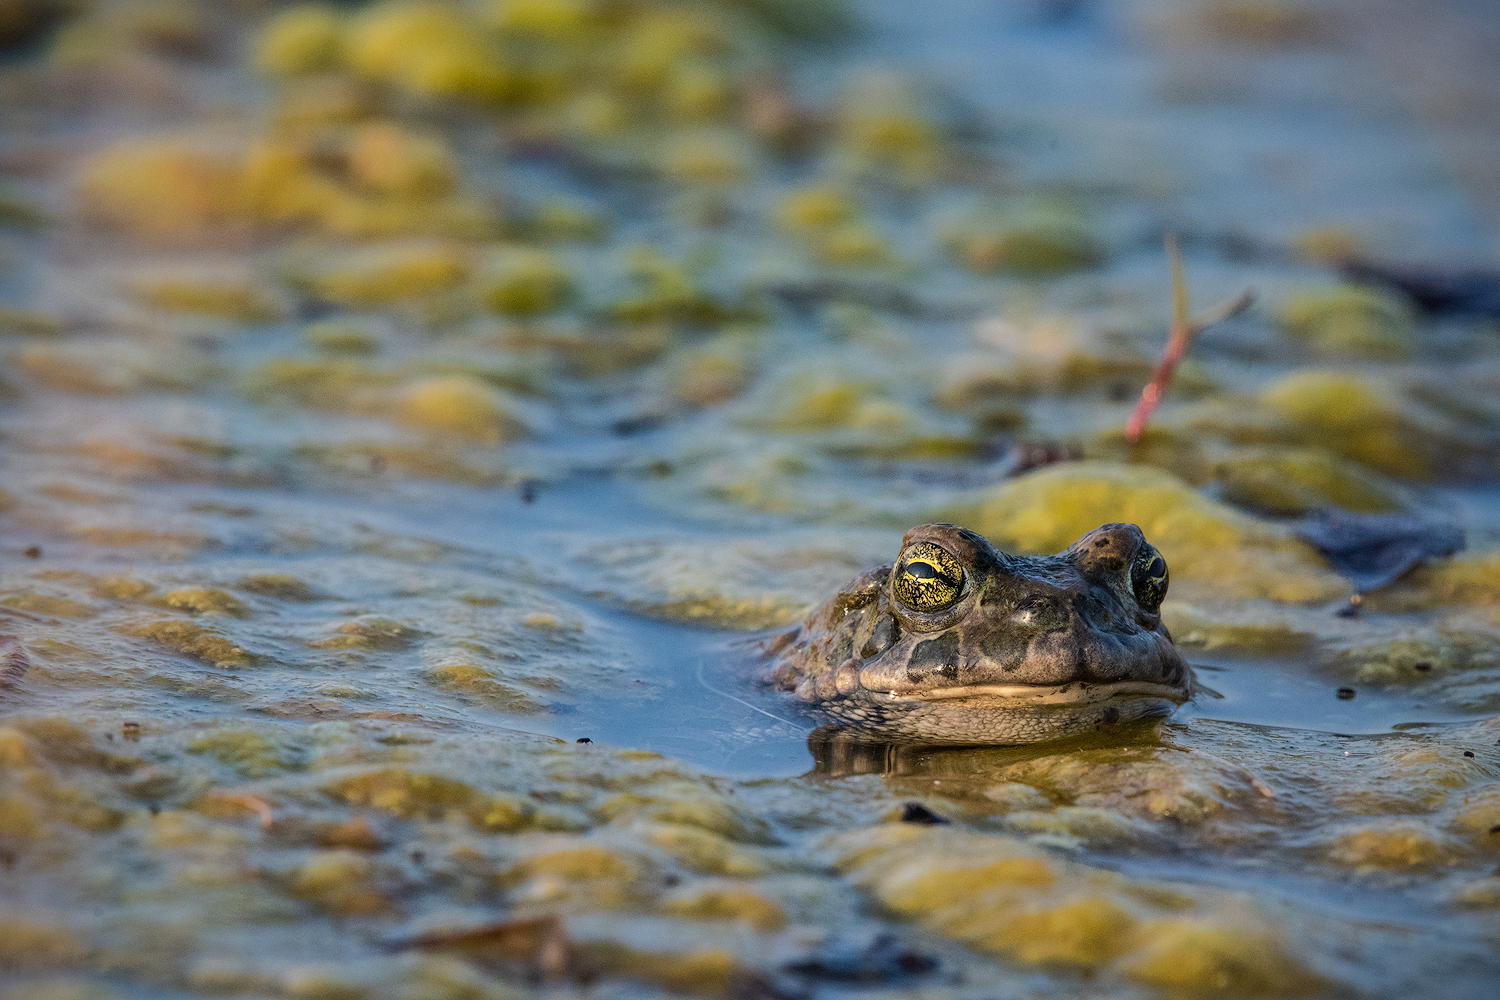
928 578
1148 578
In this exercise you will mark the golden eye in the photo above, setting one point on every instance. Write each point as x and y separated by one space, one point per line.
927 578
1148 578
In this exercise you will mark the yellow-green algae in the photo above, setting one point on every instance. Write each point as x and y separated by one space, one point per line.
1363 419
191 815
999 895
1351 321
1219 549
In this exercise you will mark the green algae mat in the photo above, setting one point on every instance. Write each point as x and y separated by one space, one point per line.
414 414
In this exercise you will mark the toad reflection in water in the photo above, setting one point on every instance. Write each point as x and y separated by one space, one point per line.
959 643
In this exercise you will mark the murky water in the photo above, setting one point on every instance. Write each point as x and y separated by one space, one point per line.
416 415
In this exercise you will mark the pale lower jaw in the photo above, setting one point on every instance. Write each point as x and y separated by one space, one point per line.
1074 693
1003 714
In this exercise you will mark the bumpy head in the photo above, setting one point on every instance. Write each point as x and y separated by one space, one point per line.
957 642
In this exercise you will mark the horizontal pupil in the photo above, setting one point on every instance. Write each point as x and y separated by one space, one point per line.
927 571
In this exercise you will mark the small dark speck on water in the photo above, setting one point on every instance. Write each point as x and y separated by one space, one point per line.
1351 610
1424 666
916 812
32 552
155 809
1493 829
417 857
631 426
583 739
1468 753
1347 694
672 881
528 491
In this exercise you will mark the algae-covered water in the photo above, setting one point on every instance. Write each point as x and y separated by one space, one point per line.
414 414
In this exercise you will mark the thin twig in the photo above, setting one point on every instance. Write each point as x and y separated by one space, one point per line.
1183 332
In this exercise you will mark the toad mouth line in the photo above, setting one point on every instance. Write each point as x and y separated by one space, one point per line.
1078 692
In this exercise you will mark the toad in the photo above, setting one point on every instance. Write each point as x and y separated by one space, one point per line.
959 643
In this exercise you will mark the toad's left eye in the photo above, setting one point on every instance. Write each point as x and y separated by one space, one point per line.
928 578
1148 578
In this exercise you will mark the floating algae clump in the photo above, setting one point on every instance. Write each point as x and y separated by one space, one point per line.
1351 321
333 337
1363 420
204 601
1217 547
335 384
414 795
378 180
712 374
1003 896
1199 958
383 634
342 882
191 640
815 208
483 685
1038 239
527 283
431 49
385 159
1418 657
231 300
27 945
813 400
1033 250
1471 579
164 189
882 126
708 156
1392 847
726 902
249 753
1281 481
392 273
460 406
301 40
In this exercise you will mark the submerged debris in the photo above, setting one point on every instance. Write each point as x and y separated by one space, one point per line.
1466 292
1372 550
884 959
916 812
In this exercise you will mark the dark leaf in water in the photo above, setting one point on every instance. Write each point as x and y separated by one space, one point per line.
880 961
1434 290
1371 550
916 812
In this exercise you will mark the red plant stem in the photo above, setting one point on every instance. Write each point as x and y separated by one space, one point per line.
1151 396
1178 341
